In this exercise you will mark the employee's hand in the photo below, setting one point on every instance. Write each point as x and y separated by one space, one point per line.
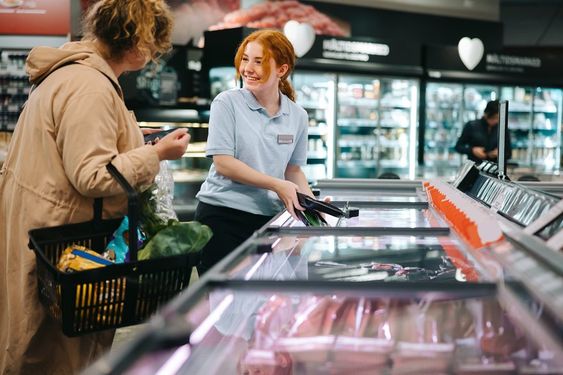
479 152
493 154
287 192
173 145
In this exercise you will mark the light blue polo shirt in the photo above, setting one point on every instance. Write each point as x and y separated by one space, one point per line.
239 126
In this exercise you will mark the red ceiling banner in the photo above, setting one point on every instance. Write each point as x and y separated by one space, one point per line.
34 17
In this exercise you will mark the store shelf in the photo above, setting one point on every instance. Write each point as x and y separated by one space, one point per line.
355 163
317 131
317 155
311 105
344 101
357 122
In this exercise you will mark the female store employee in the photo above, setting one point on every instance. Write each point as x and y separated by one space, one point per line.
74 123
258 141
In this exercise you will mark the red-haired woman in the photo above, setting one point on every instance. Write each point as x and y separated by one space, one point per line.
258 141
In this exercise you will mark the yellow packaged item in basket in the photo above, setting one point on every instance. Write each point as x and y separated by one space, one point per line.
78 258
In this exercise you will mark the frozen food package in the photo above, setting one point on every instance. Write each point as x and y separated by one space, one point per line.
272 321
78 258
332 314
305 341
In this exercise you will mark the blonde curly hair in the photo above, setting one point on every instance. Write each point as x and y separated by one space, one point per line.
122 25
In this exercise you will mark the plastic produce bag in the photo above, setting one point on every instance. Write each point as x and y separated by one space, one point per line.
157 209
163 193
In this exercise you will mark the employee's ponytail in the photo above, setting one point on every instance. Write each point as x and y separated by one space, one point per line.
286 88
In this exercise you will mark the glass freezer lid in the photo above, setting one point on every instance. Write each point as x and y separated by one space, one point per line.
354 258
375 197
266 331
375 217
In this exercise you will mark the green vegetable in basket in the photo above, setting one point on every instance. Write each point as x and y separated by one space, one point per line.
176 239
149 220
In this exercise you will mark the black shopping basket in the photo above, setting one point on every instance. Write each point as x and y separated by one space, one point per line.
109 297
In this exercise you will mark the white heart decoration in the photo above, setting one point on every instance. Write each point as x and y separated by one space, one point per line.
470 51
301 35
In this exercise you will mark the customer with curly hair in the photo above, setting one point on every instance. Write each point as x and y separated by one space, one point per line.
74 123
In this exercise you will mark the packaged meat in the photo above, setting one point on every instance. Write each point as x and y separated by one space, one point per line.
345 326
422 358
309 318
372 352
314 349
332 314
272 321
305 342
265 362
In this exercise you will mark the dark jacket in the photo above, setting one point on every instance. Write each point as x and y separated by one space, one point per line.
477 134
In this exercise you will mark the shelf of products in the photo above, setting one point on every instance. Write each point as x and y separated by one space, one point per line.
376 128
14 87
534 122
315 93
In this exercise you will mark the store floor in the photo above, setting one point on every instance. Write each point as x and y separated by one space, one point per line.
126 334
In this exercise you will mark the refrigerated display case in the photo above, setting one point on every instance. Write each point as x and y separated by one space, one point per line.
376 120
534 113
529 80
297 300
520 121
368 329
315 93
545 142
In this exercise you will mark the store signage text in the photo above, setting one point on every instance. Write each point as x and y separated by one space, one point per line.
353 50
509 63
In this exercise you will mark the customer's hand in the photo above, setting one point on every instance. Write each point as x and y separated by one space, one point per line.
479 152
287 192
173 145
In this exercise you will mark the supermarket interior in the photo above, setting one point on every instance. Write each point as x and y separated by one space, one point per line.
424 262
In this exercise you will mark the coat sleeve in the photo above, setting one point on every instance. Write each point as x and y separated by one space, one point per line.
89 136
463 145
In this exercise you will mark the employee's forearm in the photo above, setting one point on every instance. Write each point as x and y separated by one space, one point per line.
240 172
298 177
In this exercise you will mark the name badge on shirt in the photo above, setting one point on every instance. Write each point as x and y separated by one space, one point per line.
285 139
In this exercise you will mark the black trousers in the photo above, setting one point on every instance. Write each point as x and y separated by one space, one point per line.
230 228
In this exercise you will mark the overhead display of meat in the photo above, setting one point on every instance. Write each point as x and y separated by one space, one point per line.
193 17
275 14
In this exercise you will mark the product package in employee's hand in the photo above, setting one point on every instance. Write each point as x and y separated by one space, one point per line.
312 216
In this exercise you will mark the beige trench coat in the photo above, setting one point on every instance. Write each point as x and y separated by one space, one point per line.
74 123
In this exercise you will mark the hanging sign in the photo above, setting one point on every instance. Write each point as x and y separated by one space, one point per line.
301 35
353 50
470 51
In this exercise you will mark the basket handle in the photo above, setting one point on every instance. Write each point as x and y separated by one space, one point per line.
132 209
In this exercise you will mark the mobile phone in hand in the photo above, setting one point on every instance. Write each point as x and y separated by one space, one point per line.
151 138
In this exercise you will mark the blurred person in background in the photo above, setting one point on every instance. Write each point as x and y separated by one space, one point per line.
479 138
258 142
74 123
